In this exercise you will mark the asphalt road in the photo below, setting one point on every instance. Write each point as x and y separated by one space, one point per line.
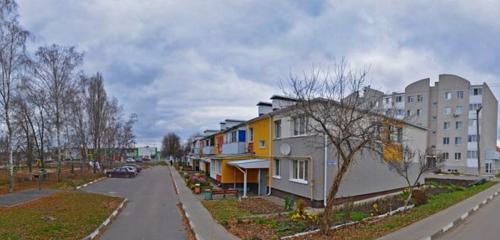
483 224
151 212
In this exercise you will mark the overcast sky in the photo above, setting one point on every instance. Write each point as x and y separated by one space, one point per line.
184 65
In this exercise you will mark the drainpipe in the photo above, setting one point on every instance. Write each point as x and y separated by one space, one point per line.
270 172
244 181
325 176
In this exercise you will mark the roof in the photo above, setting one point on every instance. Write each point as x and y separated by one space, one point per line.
264 104
283 98
250 164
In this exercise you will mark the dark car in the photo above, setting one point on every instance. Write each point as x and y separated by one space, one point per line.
139 168
123 172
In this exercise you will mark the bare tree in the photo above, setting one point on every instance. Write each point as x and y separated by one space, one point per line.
171 146
332 105
413 165
96 110
55 67
12 59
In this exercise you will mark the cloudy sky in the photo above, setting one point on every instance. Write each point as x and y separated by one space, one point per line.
185 65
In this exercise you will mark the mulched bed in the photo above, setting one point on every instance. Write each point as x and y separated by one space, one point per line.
260 206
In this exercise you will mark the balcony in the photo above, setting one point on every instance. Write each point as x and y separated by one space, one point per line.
234 148
208 150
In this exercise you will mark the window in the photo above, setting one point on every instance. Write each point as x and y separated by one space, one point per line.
233 136
251 134
477 91
472 138
299 171
396 134
420 98
410 99
447 110
460 94
446 140
387 100
446 125
458 156
262 144
472 154
418 112
459 110
447 95
474 106
399 98
277 168
277 129
299 126
408 113
458 125
458 140
446 156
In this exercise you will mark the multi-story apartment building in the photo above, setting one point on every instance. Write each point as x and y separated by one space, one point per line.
448 110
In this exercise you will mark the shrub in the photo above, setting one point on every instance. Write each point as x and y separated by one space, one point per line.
419 197
301 206
289 203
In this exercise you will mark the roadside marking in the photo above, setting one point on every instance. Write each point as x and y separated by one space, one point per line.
475 208
484 202
464 215
447 227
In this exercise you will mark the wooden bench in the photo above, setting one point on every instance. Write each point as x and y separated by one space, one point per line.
225 192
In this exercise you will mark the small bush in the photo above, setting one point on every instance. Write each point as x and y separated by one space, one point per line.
301 206
419 197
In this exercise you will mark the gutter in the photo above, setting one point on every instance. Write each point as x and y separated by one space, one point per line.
325 175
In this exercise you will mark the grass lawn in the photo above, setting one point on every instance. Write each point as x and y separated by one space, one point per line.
376 229
69 182
63 215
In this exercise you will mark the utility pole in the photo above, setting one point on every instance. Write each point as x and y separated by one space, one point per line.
478 146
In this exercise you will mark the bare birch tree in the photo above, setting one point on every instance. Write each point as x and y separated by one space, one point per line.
333 105
96 110
12 59
55 67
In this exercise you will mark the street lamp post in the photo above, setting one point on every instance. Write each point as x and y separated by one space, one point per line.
478 139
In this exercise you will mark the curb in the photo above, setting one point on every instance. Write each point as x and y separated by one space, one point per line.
92 182
462 218
191 224
106 222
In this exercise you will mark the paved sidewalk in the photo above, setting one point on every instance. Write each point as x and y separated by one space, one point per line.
16 198
436 222
202 223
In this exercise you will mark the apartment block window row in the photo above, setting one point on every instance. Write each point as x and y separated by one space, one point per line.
458 140
458 156
460 94
420 98
446 140
410 99
458 125
399 98
446 125
446 156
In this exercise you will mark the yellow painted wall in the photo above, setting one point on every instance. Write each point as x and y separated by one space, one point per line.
261 131
393 151
232 175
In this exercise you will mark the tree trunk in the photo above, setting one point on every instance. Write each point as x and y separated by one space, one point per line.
326 221
59 164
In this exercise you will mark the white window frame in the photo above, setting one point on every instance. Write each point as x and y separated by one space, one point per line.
458 140
277 168
262 144
460 94
446 140
299 122
277 129
299 171
447 95
458 156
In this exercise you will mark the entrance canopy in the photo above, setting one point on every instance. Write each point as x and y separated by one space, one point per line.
250 164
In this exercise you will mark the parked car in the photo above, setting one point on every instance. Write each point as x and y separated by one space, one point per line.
139 160
146 158
130 160
137 167
126 172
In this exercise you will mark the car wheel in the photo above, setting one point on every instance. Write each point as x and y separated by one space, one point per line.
109 175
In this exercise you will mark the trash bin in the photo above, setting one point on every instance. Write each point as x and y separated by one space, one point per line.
207 194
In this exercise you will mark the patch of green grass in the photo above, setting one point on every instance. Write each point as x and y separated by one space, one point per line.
63 215
225 209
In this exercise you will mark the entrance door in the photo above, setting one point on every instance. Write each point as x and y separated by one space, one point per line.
263 175
487 168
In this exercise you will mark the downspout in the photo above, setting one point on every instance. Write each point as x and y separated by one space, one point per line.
244 181
270 172
312 179
325 176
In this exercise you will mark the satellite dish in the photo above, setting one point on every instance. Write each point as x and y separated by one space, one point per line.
285 149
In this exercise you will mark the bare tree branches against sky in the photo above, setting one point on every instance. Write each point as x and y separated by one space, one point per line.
185 65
